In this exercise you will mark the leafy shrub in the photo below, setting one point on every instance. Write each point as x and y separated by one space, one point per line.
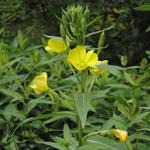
68 116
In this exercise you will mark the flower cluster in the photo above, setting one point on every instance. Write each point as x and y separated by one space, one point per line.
78 57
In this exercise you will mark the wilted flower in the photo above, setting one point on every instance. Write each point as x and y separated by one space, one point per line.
100 71
121 134
39 83
80 59
56 45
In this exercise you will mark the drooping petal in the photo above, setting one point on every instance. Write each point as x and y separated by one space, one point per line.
56 45
98 70
91 58
39 84
121 134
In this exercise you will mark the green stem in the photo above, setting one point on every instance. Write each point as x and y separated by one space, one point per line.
73 71
55 98
83 78
96 133
83 81
93 33
54 95
91 85
80 132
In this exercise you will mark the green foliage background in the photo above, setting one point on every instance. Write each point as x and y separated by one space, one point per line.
120 101
38 17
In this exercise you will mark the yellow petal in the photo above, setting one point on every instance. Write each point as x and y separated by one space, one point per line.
77 53
100 71
47 48
91 58
121 134
39 83
76 57
56 45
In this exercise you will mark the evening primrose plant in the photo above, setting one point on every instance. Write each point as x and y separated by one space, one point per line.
85 66
76 102
51 102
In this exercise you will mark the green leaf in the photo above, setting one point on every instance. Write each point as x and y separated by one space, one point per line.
101 42
102 143
144 129
82 105
108 124
100 93
129 79
121 100
89 147
138 118
21 39
118 86
31 119
119 122
52 60
66 133
31 104
138 136
8 79
142 146
12 93
12 144
2 121
116 121
52 144
115 70
93 21
11 110
143 7
10 63
61 115
53 37
70 142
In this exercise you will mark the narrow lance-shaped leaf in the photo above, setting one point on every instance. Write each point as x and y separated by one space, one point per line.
143 7
139 118
101 42
82 105
66 133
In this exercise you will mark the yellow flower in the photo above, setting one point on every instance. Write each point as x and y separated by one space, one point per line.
56 45
121 134
80 59
39 83
100 71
